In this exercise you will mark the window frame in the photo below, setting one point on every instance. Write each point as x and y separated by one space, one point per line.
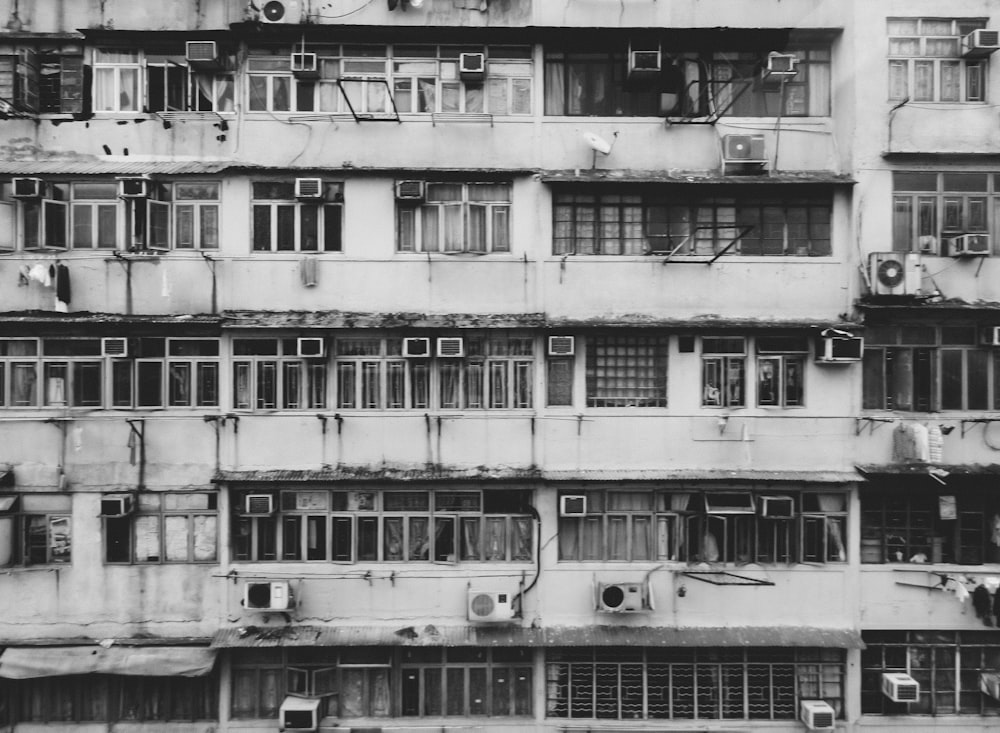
904 68
605 370
414 223
52 514
122 534
271 204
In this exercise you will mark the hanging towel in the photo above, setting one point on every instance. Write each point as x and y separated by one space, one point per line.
961 592
23 276
40 274
935 444
920 443
902 443
307 270
982 604
62 285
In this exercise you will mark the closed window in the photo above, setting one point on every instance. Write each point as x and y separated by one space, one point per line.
741 87
456 217
268 374
164 528
283 223
931 210
780 371
38 530
723 370
627 371
926 63
467 682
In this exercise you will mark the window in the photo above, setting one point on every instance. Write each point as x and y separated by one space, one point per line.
44 79
381 682
168 527
388 526
496 372
380 80
781 364
593 83
910 524
283 224
947 665
457 217
926 64
627 371
671 221
39 529
167 372
741 86
723 370
268 374
113 698
466 681
195 208
732 526
691 684
928 368
931 208
156 80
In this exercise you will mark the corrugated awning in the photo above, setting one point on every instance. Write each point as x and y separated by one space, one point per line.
558 636
121 166
941 470
364 473
20 663
605 175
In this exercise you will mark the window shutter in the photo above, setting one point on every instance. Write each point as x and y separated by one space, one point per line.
54 216
7 218
923 380
7 64
158 216
27 80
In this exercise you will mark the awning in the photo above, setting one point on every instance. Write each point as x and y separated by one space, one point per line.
557 636
611 175
20 663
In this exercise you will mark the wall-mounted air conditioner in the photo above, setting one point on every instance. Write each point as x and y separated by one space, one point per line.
991 336
980 43
279 11
258 504
417 348
622 597
27 188
900 687
782 64
114 347
488 606
299 713
644 62
472 66
968 245
311 347
573 505
562 345
133 187
116 506
989 684
776 507
308 188
412 191
894 273
203 56
451 347
304 65
817 714
744 149
838 347
268 595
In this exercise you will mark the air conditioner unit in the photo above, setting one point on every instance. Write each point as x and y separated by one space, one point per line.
989 684
299 713
743 149
644 63
311 347
900 687
782 64
417 348
621 597
258 504
562 345
27 188
133 187
409 190
308 188
968 245
980 43
472 66
268 595
817 714
115 347
991 336
776 507
573 505
118 506
279 11
451 347
203 56
894 273
305 65
490 606
838 347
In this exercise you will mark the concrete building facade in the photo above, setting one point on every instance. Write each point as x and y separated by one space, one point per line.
499 365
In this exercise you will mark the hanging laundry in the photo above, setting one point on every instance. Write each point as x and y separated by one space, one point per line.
982 604
902 443
921 443
961 592
307 271
935 444
62 288
23 277
40 274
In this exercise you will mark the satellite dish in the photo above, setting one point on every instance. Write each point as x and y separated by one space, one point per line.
598 143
